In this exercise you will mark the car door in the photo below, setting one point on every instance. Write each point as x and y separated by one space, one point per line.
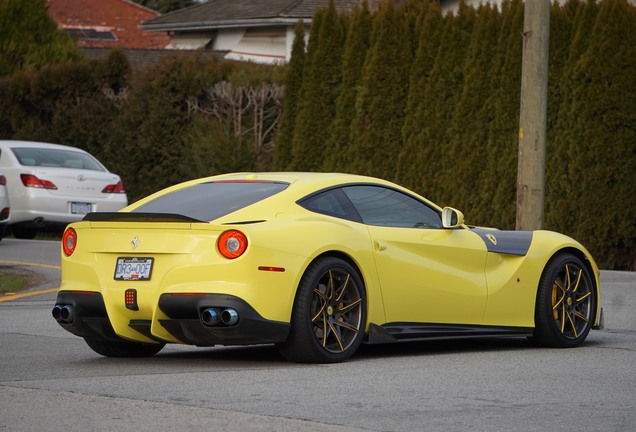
428 274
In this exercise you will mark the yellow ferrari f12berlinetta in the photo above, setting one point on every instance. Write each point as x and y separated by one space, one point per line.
316 264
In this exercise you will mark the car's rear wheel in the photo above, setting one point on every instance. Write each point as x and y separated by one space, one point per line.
566 303
123 349
329 314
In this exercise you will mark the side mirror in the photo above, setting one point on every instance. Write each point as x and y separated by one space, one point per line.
452 218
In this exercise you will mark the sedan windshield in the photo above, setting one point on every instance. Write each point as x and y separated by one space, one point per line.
210 201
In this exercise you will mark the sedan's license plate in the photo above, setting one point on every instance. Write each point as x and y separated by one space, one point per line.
133 269
81 208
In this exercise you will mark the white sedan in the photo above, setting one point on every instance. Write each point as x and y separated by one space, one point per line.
52 185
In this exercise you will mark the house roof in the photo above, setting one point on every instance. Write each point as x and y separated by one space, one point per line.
238 13
106 23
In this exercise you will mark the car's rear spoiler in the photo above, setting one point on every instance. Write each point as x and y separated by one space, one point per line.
138 217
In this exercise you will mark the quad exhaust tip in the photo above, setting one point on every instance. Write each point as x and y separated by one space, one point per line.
212 317
63 313
229 317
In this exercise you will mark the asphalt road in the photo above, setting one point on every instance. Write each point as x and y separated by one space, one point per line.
51 381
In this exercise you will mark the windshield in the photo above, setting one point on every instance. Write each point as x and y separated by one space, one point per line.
59 158
210 201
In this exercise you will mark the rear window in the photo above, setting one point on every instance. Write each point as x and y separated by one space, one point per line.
212 200
59 158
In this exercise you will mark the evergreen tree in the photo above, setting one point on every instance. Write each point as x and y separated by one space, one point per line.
356 47
428 150
409 173
499 178
467 134
321 82
381 101
30 39
564 137
602 163
293 85
151 132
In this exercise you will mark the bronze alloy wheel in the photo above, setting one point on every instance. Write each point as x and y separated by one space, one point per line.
566 303
336 310
329 315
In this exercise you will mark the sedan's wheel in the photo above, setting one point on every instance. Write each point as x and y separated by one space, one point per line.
566 302
123 349
329 315
23 233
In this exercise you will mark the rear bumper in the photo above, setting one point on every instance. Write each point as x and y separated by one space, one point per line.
90 320
39 207
185 322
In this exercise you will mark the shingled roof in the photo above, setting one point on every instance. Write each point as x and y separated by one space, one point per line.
239 13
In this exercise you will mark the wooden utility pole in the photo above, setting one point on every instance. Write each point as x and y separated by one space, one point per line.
533 115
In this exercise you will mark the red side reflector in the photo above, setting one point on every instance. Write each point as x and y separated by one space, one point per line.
271 269
3 180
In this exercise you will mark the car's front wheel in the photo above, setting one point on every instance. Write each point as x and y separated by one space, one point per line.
123 349
566 303
329 314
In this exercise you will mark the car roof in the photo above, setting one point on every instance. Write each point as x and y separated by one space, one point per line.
36 144
301 181
301 184
305 183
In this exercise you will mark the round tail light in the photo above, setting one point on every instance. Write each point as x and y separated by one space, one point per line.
232 244
69 241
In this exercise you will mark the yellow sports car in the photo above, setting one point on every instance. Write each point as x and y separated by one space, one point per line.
316 264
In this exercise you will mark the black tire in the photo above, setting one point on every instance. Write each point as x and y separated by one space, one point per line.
23 233
123 349
566 303
329 314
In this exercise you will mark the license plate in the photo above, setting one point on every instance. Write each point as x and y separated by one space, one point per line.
133 269
81 208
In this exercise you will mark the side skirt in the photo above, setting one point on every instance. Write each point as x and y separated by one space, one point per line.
405 332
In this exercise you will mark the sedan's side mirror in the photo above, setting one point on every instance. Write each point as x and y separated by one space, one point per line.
452 218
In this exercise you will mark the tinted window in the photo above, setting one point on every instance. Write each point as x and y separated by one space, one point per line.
59 158
332 202
388 207
209 201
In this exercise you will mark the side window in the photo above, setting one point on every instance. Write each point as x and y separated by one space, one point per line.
331 203
388 207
